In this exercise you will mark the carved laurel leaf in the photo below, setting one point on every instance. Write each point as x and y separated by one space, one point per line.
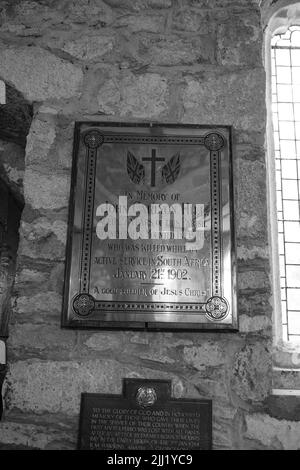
135 169
170 170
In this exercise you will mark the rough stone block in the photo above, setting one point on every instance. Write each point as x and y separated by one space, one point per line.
38 74
258 323
56 280
157 357
32 436
138 23
159 3
103 341
39 275
251 151
214 4
89 48
51 249
46 191
31 338
157 349
177 51
251 201
249 253
253 280
30 12
56 386
215 387
59 153
251 372
206 355
223 423
137 5
229 98
43 239
142 96
273 433
239 40
109 97
42 228
91 12
188 20
254 303
28 18
39 141
28 276
49 303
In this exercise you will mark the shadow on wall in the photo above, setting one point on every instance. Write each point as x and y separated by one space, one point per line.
15 120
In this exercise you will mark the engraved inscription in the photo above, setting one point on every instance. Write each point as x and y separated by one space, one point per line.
119 428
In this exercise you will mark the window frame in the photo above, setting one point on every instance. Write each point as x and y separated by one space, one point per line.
276 20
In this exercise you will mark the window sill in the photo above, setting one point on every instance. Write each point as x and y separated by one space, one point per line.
286 370
287 356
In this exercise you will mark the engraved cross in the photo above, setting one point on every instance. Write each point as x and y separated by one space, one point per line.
153 159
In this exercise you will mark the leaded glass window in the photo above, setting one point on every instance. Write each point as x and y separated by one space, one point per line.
285 50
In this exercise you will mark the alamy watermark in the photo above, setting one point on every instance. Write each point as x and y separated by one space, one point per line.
155 221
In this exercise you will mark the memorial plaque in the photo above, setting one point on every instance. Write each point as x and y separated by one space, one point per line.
145 417
150 242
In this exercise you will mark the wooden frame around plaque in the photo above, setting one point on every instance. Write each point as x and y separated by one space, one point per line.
150 235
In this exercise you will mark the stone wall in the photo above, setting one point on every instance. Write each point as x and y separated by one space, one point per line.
188 61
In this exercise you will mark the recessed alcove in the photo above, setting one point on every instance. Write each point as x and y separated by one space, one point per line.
15 120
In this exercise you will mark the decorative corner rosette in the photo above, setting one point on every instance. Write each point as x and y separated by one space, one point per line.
214 141
93 139
146 397
217 308
83 304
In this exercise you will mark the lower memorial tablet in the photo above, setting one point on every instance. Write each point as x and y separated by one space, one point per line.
144 417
